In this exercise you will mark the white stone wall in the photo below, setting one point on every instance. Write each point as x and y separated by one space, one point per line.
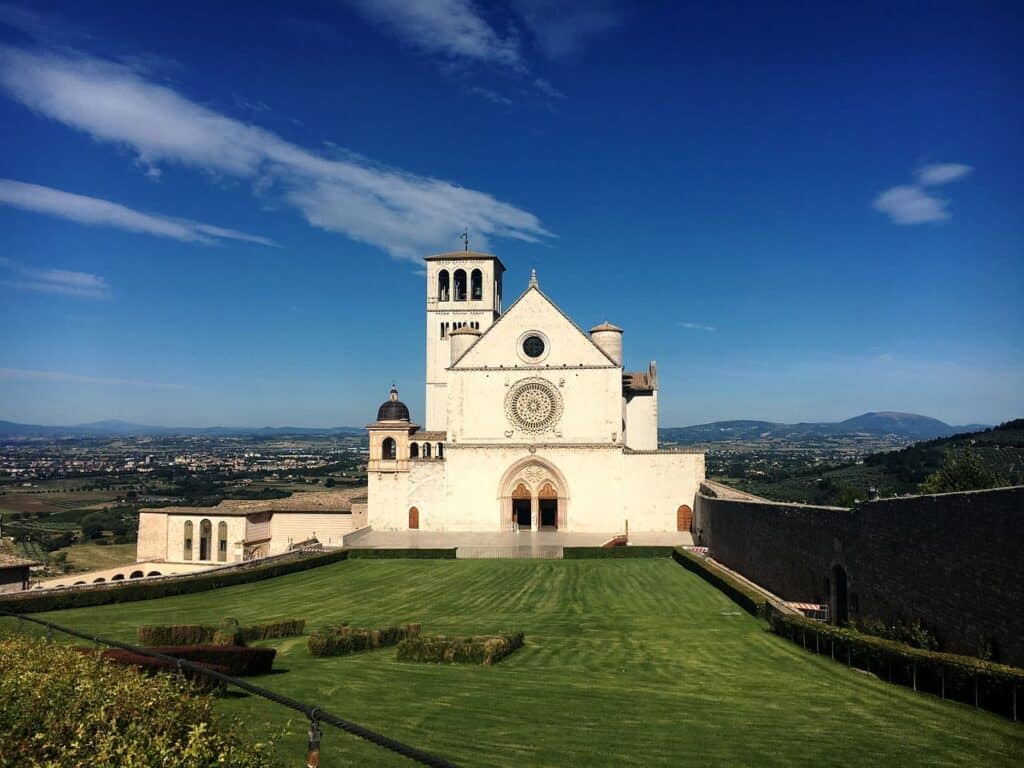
427 492
656 484
642 422
388 500
152 544
293 527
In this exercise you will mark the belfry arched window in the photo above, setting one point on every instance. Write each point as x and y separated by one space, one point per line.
460 285
414 450
442 285
222 542
440 450
389 449
476 290
426 450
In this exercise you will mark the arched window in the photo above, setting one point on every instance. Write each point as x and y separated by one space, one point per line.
205 536
153 573
426 450
460 285
222 542
117 577
187 554
414 518
136 575
414 450
476 289
440 450
442 285
389 450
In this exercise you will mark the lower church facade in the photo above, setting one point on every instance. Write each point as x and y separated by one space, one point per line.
532 424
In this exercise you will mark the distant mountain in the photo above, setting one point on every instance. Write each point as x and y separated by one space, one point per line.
114 428
905 426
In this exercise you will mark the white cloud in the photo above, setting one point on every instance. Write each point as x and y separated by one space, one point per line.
564 27
454 28
547 88
61 281
94 211
911 205
493 96
25 374
942 173
696 327
403 213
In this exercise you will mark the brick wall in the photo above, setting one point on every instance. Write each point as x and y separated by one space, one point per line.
952 561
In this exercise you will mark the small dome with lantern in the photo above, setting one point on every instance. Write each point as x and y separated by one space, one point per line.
393 409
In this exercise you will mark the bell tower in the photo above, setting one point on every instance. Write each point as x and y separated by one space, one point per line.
463 289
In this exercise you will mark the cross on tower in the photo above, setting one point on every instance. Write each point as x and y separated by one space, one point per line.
464 237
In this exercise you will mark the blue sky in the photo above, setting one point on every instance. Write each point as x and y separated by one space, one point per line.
215 215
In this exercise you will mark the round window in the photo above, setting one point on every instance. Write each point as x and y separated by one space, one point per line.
533 346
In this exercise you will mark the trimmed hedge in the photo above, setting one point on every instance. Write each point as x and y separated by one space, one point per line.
342 640
479 649
962 678
748 599
599 553
130 591
401 554
147 665
228 633
238 660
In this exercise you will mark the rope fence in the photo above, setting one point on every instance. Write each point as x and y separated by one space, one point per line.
315 715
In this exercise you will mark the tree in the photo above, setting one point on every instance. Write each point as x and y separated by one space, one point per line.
963 471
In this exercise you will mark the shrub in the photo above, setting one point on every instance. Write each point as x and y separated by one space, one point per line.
479 649
342 639
228 633
148 665
130 591
225 634
175 634
598 553
59 707
239 660
748 598
273 630
963 678
401 554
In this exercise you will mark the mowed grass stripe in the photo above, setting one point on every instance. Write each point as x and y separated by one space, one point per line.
627 662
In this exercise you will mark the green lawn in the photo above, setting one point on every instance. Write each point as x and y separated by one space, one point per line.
88 556
627 662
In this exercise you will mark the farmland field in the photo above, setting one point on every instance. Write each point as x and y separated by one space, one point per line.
627 662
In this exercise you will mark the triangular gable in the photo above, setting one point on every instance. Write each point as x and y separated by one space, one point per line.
568 345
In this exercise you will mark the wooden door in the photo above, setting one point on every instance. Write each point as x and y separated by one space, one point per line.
684 518
414 518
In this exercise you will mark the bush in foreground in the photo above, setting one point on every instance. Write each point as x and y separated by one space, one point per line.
479 649
342 639
59 707
239 660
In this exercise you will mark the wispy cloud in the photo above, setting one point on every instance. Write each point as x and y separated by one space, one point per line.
60 281
402 213
563 28
97 212
913 203
453 28
696 326
547 88
25 374
493 96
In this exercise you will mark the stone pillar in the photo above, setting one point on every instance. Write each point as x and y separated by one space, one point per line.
534 513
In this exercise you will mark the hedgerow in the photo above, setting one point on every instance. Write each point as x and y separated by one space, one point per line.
63 708
340 640
401 554
963 678
130 591
742 594
239 660
479 649
601 553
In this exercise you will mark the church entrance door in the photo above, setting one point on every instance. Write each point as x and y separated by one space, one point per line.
521 513
549 514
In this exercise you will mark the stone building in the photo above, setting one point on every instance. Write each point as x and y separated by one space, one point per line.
14 573
531 423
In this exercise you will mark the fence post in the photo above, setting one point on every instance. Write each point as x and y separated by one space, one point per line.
817 642
913 667
803 634
1015 702
849 654
942 681
313 756
832 648
975 690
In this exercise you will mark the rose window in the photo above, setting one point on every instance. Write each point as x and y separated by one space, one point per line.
533 405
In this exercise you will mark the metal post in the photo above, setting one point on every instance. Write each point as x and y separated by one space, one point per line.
942 681
975 690
1015 702
817 643
849 654
313 756
913 666
832 648
803 634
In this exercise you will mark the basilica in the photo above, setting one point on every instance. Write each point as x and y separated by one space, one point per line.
531 424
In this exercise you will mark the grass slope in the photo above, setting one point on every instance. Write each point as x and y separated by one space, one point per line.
627 662
88 556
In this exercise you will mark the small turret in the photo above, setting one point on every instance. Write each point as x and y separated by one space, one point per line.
462 339
608 338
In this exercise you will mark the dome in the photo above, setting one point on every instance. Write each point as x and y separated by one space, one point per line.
393 409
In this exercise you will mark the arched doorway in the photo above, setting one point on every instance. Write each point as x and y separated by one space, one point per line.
840 600
533 495
414 519
684 518
205 535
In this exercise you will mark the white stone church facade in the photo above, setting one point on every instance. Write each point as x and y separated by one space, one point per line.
531 424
